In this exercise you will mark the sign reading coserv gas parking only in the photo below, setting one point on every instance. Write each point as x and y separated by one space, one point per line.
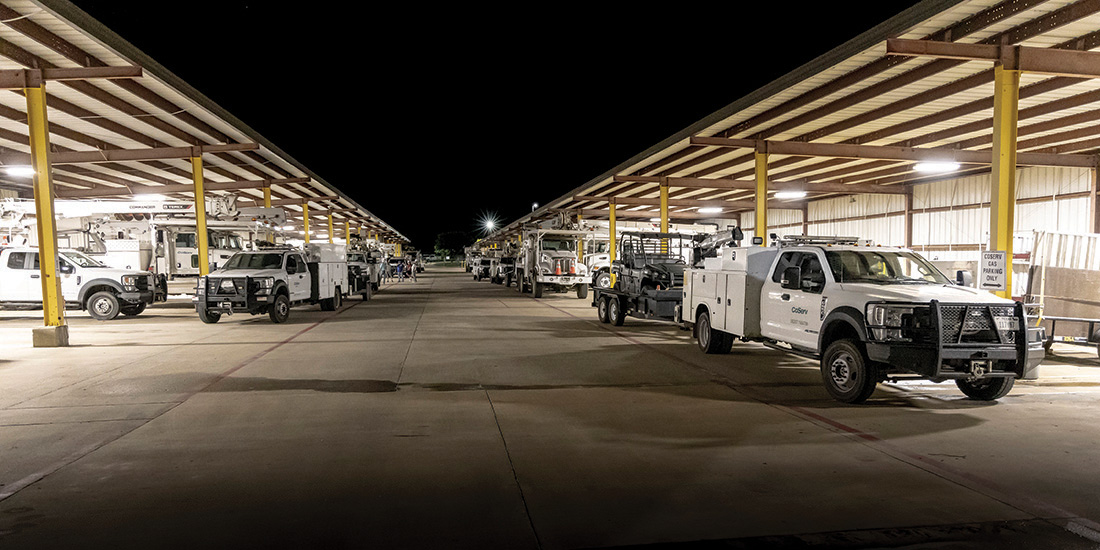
993 270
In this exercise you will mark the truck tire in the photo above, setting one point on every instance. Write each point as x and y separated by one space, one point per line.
602 279
103 306
536 289
849 377
207 316
986 390
582 291
279 311
601 309
508 280
338 298
615 314
711 340
135 309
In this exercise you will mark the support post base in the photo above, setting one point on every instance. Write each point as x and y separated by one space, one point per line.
51 337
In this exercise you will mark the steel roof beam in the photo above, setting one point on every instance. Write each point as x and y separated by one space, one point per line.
1072 63
732 184
886 152
179 188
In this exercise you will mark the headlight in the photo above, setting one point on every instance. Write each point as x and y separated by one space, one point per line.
129 282
200 285
884 315
266 282
581 270
546 258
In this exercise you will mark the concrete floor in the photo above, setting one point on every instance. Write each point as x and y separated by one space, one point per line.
449 413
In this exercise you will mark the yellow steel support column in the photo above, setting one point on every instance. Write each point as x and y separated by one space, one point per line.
347 231
397 250
580 241
331 231
761 227
611 234
200 213
1002 202
305 219
55 332
664 214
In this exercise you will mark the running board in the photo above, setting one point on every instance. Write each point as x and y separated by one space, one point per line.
798 352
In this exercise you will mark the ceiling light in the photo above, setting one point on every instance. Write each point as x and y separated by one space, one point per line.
936 167
790 194
655 220
710 210
19 171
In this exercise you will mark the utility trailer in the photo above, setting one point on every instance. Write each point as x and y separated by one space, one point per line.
648 278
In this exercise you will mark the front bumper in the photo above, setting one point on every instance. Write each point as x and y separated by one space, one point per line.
243 299
565 280
945 355
138 296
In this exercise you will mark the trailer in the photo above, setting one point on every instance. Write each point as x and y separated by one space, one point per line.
648 278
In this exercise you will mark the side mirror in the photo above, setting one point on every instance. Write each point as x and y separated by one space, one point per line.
66 269
792 278
964 278
738 235
756 241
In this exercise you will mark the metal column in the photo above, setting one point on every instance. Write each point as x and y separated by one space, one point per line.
580 241
1002 203
761 227
56 331
268 235
611 233
200 213
664 214
331 231
305 220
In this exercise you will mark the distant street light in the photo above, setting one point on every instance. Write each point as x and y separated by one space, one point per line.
534 206
490 225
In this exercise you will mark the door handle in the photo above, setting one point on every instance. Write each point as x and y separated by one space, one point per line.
786 297
35 276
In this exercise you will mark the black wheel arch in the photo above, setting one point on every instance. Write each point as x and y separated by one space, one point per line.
96 285
842 322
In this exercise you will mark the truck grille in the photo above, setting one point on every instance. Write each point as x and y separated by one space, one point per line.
218 286
563 266
975 324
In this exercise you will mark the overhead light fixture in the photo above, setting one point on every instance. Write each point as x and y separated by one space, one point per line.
790 194
655 220
710 210
19 171
287 228
936 167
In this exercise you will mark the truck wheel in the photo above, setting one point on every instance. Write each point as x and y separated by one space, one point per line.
207 316
601 309
103 306
279 311
337 298
135 309
986 390
477 277
848 375
536 289
508 280
709 339
582 291
615 311
602 279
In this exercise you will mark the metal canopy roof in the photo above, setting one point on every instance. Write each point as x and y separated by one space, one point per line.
859 95
155 111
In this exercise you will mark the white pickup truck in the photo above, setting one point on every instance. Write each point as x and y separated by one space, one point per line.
85 283
272 280
868 313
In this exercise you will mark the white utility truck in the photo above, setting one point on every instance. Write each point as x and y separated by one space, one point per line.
272 280
85 283
548 260
868 313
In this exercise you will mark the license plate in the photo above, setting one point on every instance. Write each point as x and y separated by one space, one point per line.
227 305
1006 323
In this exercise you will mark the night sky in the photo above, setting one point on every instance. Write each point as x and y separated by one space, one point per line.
433 117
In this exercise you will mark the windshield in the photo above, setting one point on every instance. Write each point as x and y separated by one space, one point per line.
569 245
80 259
852 266
356 258
249 260
508 261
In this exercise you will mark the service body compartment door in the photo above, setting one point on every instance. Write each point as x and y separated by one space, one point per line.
735 304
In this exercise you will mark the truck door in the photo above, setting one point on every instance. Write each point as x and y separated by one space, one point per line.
186 253
297 275
792 315
15 279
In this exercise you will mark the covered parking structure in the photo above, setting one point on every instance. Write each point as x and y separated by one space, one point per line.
450 413
953 127
120 125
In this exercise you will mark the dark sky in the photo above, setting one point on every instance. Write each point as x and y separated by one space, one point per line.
433 116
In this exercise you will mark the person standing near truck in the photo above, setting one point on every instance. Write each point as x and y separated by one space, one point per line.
410 268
